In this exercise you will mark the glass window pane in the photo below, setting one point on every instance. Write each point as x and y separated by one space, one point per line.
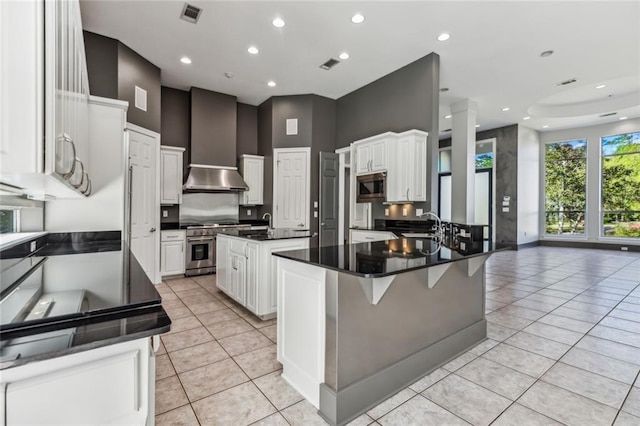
484 161
7 221
621 186
444 163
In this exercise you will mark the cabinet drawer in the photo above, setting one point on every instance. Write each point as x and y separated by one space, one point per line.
369 236
172 235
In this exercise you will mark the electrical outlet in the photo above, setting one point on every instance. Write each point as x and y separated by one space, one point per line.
32 246
624 248
165 213
248 212
315 213
386 212
404 211
419 212
315 204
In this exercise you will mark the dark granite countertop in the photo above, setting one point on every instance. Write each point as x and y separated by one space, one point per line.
384 258
263 235
71 281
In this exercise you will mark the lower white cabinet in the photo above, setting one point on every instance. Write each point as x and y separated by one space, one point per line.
172 256
246 271
365 236
112 385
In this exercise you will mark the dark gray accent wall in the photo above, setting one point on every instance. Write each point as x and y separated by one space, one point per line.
265 148
175 120
286 107
134 70
403 100
102 64
213 128
506 164
247 126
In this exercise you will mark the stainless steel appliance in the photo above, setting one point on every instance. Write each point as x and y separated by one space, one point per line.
372 188
201 247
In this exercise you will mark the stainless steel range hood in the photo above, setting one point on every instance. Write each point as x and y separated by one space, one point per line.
204 178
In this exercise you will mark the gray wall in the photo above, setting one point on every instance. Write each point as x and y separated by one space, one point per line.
175 120
102 64
213 128
285 107
265 148
134 70
247 125
506 165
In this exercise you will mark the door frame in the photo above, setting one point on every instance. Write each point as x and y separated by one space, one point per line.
307 197
156 278
344 164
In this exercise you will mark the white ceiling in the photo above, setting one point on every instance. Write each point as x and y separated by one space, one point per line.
492 56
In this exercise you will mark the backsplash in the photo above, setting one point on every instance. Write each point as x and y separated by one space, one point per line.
173 214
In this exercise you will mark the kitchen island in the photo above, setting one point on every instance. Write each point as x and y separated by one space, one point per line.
358 323
245 269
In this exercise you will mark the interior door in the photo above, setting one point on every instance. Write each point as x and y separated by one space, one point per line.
144 203
291 188
329 164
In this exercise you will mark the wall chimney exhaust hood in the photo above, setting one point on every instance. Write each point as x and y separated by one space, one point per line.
204 178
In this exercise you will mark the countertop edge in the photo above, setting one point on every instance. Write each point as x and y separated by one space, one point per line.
23 237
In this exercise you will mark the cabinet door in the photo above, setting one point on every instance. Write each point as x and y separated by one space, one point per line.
240 279
252 276
378 155
172 258
400 174
363 158
253 174
170 177
419 178
223 264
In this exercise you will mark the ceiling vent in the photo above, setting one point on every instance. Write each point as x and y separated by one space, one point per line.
329 64
566 82
609 114
190 13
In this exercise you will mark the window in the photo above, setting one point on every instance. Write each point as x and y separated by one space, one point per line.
8 220
621 185
483 160
565 187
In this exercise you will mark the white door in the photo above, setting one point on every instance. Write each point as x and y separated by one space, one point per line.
144 151
291 188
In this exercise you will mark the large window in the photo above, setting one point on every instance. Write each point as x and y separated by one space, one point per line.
621 185
8 220
565 187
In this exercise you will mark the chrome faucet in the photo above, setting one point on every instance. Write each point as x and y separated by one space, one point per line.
437 228
264 216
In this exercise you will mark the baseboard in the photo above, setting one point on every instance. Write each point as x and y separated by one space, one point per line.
590 245
528 245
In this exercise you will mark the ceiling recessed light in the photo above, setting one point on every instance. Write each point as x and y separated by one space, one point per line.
545 126
185 60
357 18
526 118
505 109
601 86
443 37
546 53
271 84
447 116
253 50
278 22
477 125
622 118
343 56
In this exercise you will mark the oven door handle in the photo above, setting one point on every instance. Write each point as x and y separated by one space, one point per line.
191 239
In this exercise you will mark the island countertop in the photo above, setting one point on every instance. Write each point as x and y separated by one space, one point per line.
384 258
263 235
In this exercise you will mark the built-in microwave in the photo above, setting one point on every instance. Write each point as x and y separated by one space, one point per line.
372 188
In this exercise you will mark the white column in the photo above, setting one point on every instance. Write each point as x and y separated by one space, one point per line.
463 168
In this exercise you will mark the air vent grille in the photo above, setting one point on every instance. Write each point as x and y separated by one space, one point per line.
330 64
191 13
566 82
609 114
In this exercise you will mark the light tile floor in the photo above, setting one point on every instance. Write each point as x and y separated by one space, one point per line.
563 348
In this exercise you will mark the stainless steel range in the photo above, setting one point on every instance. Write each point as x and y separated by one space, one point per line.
201 247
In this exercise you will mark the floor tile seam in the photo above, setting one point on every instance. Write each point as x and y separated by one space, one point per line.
502 365
534 353
551 339
625 400
269 415
173 409
612 315
596 373
614 341
218 392
419 394
203 365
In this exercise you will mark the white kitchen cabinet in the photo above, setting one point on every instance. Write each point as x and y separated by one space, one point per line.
366 236
371 154
252 171
246 271
407 172
109 385
172 252
171 175
44 113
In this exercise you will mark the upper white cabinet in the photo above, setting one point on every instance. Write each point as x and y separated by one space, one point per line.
171 175
44 112
252 171
407 171
371 154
